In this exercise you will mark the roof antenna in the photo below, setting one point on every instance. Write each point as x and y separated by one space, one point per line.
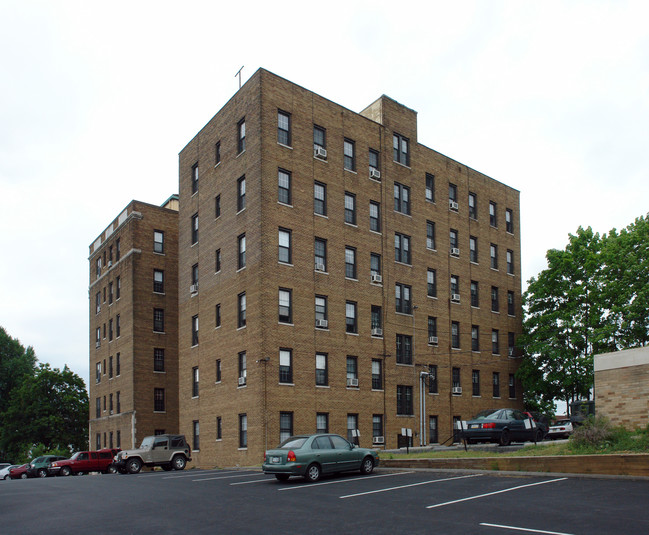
239 75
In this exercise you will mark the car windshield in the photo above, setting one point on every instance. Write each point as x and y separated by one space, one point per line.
75 456
490 414
293 442
147 442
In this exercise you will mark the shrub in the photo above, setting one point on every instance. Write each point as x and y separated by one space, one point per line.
596 432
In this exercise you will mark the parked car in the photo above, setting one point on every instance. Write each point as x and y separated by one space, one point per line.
560 429
40 467
20 472
171 452
310 456
502 426
4 472
542 424
84 462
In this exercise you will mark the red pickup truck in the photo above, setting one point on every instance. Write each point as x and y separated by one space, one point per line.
83 462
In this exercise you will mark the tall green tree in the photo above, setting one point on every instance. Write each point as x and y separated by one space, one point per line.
16 363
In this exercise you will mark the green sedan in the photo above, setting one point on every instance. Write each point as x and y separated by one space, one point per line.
311 456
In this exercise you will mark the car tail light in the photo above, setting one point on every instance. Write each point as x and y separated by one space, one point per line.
291 456
490 425
264 456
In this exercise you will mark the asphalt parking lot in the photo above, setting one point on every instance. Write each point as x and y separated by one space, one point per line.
247 501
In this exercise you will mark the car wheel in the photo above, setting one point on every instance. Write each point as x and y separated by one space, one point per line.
111 470
505 439
367 465
6 477
167 467
65 471
133 466
42 472
313 473
24 475
282 477
179 462
539 435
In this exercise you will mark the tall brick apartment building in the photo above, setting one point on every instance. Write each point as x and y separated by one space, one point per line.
133 296
344 276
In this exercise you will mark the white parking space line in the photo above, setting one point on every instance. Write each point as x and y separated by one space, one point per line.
515 528
226 477
496 492
311 485
254 481
195 473
406 486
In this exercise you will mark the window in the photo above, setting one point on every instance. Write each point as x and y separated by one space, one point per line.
403 301
401 248
454 242
374 164
119 403
219 428
404 349
455 335
455 288
493 220
98 267
241 248
473 249
431 283
217 206
98 373
432 330
475 382
350 262
510 303
512 386
284 186
475 294
196 433
350 208
118 288
195 275
241 135
117 365
430 187
158 281
321 311
243 431
118 250
509 220
110 367
158 359
218 370
510 262
285 246
400 152
352 427
319 137
321 369
349 155
217 153
243 371
195 381
241 193
475 338
285 366
377 374
194 229
432 379
430 235
473 206
241 319
158 400
496 384
376 318
377 426
433 434
217 260
352 371
495 306
195 330
375 263
401 198
284 128
351 323
98 408
158 320
320 198
455 378
493 252
158 241
194 178
495 347
285 306
452 194
404 400
322 422
110 293
98 303
375 216
511 343
320 253
285 425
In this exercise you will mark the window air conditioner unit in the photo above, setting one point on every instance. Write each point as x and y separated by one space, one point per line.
455 298
320 153
242 381
457 390
377 278
319 267
193 289
375 173
378 440
352 382
452 205
455 251
97 344
432 340
110 263
377 331
321 323
511 351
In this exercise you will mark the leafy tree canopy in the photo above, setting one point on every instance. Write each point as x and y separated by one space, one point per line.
16 363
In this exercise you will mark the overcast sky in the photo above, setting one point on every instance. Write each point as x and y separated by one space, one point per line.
97 99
